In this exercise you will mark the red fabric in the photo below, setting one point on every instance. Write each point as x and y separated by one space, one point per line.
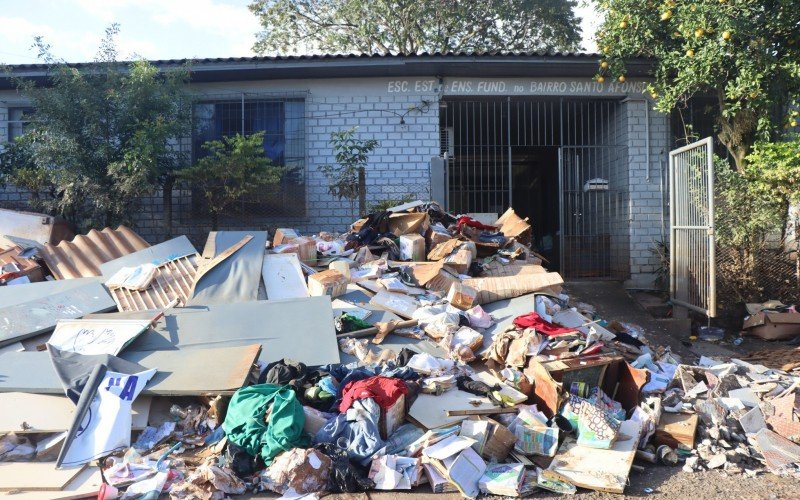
384 390
469 221
533 320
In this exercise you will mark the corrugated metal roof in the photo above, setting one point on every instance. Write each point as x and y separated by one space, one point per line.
325 57
81 257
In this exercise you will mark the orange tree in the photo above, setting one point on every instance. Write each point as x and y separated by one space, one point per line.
744 53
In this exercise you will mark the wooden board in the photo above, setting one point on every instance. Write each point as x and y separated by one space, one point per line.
675 428
32 413
181 372
40 315
430 411
85 485
283 277
595 469
35 476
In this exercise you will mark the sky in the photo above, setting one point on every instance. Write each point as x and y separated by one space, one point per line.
152 29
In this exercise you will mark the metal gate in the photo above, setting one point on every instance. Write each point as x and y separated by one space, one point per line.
594 220
491 143
691 207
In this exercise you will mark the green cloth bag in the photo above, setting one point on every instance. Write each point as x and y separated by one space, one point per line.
246 427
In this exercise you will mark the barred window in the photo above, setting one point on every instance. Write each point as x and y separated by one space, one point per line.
18 119
283 122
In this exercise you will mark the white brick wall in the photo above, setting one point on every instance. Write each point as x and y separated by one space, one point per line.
400 165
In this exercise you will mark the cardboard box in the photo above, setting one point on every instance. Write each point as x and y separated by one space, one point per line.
412 247
417 222
552 379
676 428
462 296
460 260
437 238
330 282
392 418
284 235
773 325
512 226
306 249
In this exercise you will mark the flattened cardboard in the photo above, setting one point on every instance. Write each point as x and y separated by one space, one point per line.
512 226
494 289
398 303
430 411
404 223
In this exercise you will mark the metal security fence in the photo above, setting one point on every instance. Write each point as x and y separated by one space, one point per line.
692 256
561 162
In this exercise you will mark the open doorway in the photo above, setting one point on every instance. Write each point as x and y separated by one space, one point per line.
534 191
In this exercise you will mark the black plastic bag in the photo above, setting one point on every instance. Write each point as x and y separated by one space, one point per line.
345 477
242 463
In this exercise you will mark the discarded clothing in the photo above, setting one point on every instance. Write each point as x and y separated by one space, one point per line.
356 431
533 320
284 372
385 391
283 430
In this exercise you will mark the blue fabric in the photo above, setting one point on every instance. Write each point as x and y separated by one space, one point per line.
360 437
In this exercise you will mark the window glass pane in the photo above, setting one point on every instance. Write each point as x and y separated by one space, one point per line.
282 121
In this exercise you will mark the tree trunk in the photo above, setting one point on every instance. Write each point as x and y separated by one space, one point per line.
738 132
166 198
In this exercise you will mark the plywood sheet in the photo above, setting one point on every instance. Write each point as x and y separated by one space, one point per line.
40 315
157 255
20 294
595 469
300 329
181 372
431 411
31 413
85 485
283 277
35 476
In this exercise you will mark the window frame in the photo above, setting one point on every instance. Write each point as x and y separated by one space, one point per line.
23 120
242 98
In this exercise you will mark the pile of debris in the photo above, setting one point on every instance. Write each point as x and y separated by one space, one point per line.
417 348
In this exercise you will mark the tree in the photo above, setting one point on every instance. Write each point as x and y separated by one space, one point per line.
351 155
745 53
101 137
235 167
413 26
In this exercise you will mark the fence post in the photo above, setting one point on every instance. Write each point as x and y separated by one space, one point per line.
362 192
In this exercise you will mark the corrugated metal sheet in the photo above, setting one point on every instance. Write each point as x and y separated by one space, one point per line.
173 280
82 256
